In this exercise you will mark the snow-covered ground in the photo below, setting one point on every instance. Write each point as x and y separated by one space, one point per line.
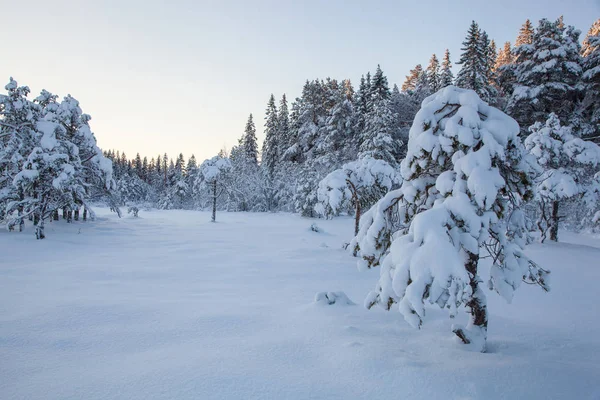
170 306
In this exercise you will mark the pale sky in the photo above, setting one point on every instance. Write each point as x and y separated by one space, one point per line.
182 76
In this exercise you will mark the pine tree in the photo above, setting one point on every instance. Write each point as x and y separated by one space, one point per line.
567 162
433 74
283 126
411 79
504 56
475 71
145 169
379 88
446 76
547 73
590 105
270 148
525 34
249 143
138 165
452 208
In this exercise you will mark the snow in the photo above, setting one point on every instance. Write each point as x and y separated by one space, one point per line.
170 306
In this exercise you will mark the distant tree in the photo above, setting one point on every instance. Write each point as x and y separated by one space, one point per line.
446 76
270 148
567 163
433 74
249 142
411 79
211 172
475 71
590 105
358 184
547 74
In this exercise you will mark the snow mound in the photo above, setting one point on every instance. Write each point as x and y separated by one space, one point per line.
333 298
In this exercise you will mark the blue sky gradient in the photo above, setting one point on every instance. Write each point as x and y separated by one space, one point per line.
182 76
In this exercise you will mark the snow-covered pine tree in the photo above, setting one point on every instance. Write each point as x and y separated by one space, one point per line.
249 143
590 105
18 137
433 74
411 79
547 73
568 166
376 140
474 73
503 69
283 127
446 76
270 149
339 139
465 176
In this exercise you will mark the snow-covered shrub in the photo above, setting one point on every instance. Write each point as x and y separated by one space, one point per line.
568 165
465 175
331 298
357 185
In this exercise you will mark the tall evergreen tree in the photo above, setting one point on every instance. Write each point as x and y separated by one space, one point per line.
270 149
474 73
590 106
446 76
433 74
547 74
525 34
283 126
411 79
249 143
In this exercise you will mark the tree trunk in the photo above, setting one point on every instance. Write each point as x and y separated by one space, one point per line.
76 215
554 222
85 214
476 331
21 221
64 212
39 230
357 219
55 215
69 216
214 208
39 224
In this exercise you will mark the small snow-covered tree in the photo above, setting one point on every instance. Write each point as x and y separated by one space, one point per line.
465 175
358 184
211 171
568 163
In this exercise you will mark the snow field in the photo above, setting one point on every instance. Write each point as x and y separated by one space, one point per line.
170 306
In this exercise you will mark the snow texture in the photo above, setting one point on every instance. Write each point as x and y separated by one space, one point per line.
169 306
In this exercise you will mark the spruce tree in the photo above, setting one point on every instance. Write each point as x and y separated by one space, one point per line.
590 105
249 143
411 79
525 34
270 148
433 74
475 71
446 76
547 74
283 126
